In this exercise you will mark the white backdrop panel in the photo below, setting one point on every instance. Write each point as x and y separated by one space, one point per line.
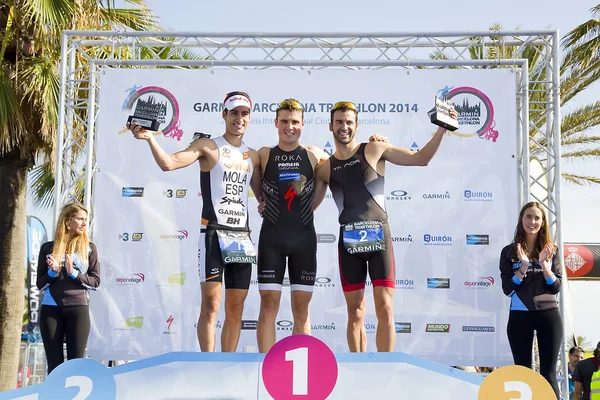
149 299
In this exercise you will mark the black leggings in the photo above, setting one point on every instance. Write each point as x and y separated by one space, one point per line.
548 325
55 323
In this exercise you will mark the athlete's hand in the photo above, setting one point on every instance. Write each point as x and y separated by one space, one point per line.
378 137
261 206
453 113
138 131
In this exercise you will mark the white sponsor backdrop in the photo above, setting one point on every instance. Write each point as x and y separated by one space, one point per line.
149 300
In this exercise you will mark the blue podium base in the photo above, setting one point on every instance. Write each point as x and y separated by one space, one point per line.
238 376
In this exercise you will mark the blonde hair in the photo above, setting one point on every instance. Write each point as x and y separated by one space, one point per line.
63 243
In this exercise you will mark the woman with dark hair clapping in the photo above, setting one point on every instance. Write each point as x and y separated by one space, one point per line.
67 269
531 276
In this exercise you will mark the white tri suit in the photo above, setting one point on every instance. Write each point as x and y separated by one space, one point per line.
224 248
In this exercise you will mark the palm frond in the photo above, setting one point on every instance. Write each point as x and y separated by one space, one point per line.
580 140
47 17
580 119
41 88
582 154
582 44
12 122
581 179
41 186
138 19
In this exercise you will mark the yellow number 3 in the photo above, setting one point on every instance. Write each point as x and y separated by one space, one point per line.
514 382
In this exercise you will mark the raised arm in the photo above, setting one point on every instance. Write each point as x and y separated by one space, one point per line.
400 156
170 162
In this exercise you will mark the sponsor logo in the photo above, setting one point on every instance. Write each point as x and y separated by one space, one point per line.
288 166
405 284
237 166
414 147
483 282
133 279
289 176
177 279
153 102
328 149
475 112
438 283
284 325
436 195
240 259
472 195
249 324
326 238
135 237
130 191
370 327
324 281
403 327
445 328
478 328
218 325
477 240
177 236
179 193
402 239
329 327
398 195
135 322
169 321
437 240
348 164
288 158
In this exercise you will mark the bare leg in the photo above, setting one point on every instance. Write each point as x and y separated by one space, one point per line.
269 307
355 333
301 311
234 307
211 300
384 308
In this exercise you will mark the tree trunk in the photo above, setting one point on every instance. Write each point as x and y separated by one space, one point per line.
13 222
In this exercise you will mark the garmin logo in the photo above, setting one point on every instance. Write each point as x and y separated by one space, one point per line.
434 196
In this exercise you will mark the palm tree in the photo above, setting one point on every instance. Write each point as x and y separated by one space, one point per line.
579 69
29 59
580 341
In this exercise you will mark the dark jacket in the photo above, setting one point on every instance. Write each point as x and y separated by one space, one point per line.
534 292
65 290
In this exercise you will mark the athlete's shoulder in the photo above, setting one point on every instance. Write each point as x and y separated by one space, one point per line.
317 152
203 143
